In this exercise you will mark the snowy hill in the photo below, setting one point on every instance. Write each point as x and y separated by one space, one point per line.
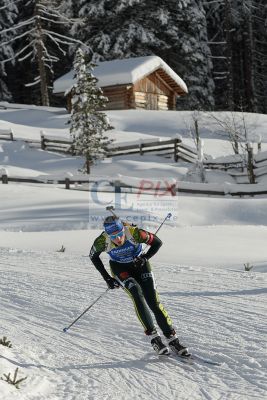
132 126
219 312
218 308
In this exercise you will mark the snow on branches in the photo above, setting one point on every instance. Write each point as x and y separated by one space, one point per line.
40 40
88 123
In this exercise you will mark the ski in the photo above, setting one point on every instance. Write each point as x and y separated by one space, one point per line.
185 360
193 359
205 360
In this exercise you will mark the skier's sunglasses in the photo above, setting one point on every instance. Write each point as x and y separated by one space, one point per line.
117 235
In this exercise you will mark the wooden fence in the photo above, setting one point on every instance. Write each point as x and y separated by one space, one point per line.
53 143
67 182
170 148
260 166
225 166
192 188
6 134
120 187
252 169
167 147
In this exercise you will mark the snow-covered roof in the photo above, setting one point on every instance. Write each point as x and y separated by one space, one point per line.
125 71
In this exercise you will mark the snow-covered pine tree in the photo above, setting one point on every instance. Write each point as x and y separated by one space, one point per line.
8 14
224 23
253 34
238 40
88 122
42 37
116 28
172 29
182 26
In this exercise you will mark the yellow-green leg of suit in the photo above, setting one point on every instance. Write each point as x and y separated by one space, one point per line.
139 284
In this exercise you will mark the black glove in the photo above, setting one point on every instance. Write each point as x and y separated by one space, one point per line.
140 261
112 283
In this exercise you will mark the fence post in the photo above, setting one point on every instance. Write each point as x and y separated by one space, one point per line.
4 178
259 143
117 185
42 140
176 149
250 163
118 199
141 148
11 135
200 157
200 150
72 149
197 131
67 183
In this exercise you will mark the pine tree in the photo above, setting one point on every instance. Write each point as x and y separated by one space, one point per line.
238 40
88 123
182 27
8 14
40 38
174 30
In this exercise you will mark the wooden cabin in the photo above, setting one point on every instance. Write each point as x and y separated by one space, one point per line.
132 83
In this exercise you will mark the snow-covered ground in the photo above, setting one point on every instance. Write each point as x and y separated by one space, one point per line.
219 312
218 308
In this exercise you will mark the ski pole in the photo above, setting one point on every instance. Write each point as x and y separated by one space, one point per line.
168 216
111 209
165 219
87 309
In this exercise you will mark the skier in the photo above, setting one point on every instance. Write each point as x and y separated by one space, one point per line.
131 270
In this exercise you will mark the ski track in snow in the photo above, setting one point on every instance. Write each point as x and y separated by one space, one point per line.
219 313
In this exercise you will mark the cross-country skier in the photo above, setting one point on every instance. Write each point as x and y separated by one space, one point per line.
130 269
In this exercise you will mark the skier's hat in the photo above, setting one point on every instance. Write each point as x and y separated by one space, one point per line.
112 224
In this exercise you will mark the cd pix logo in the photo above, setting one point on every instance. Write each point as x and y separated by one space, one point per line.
128 191
141 201
157 188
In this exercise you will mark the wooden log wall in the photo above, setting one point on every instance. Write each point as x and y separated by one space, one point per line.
118 97
154 94
151 92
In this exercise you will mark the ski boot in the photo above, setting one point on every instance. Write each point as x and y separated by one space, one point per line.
177 347
159 347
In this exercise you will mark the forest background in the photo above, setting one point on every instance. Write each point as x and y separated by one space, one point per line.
218 47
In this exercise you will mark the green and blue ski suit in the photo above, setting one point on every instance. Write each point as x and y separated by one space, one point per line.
138 282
